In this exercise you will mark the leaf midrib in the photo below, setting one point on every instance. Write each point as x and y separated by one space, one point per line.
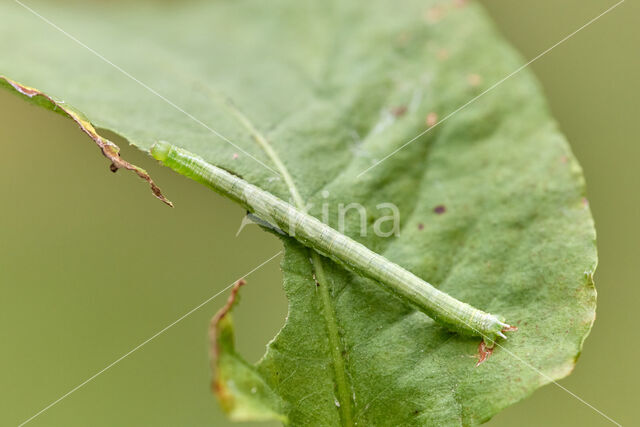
331 323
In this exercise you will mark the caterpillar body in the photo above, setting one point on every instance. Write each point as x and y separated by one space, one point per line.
441 307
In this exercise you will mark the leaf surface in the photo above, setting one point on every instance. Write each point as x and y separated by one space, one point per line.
491 199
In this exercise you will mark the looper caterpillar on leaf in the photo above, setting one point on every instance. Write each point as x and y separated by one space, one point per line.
441 307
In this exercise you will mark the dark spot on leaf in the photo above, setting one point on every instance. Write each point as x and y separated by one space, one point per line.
421 226
403 38
431 119
399 111
435 14
474 79
440 209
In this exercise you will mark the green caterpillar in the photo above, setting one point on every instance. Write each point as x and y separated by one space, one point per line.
444 309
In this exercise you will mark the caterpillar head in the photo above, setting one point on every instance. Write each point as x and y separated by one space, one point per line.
160 150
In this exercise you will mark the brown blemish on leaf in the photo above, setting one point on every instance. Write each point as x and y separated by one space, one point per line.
431 119
434 14
474 80
217 384
460 3
108 148
399 111
215 320
403 38
421 226
440 209
484 352
443 54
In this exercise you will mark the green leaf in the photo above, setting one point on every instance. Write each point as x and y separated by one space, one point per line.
491 200
243 393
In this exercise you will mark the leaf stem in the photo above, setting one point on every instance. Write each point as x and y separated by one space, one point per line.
343 398
335 343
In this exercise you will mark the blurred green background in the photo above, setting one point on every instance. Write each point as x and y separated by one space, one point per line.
92 265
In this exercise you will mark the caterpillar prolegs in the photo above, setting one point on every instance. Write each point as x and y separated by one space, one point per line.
441 307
